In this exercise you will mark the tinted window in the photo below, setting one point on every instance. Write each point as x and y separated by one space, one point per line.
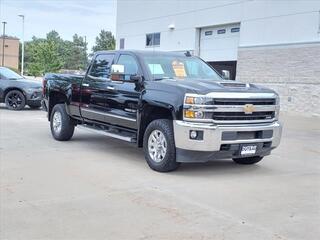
6 73
208 33
101 66
235 29
130 65
153 39
221 31
121 43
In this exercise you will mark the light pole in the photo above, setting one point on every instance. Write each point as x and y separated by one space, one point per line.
3 40
22 50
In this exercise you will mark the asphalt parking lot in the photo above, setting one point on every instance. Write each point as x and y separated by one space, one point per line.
94 187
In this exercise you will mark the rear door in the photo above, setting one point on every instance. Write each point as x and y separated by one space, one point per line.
95 87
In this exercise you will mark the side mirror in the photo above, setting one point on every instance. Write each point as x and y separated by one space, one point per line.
226 74
117 72
136 78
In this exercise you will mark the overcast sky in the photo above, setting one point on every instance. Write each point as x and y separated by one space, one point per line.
67 17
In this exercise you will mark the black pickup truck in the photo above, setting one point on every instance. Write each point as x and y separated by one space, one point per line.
174 105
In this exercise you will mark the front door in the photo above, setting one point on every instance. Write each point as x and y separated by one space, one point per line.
124 97
95 87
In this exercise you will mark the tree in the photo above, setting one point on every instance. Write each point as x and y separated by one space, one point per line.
105 41
44 58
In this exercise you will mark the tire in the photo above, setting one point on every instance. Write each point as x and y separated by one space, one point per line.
247 160
159 136
62 126
15 100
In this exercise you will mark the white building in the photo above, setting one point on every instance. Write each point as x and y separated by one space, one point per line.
274 43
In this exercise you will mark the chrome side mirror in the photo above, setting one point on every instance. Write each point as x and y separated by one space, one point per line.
226 74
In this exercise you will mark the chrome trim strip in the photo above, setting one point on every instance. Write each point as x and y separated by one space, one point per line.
88 128
232 108
240 95
108 114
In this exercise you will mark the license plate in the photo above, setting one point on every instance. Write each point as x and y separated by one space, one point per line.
248 149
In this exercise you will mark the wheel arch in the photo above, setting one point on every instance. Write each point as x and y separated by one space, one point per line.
55 97
6 91
150 112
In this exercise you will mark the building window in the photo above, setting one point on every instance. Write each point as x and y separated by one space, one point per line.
221 31
121 43
153 39
208 33
235 29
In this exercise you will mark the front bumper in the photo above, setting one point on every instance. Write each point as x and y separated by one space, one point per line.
223 141
34 98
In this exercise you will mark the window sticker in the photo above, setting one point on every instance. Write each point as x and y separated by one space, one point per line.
155 69
179 69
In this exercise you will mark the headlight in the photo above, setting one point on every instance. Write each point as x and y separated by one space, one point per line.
32 90
194 107
195 100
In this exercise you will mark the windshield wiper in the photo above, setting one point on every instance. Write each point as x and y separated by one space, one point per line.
162 78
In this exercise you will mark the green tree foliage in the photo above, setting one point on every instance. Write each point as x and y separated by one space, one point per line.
44 58
105 41
52 54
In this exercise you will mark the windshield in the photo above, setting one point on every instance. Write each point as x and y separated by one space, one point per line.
8 74
179 67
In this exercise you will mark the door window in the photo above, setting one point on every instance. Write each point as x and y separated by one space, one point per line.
101 66
130 65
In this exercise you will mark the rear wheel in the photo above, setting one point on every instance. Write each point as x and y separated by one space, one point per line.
159 147
15 100
247 160
62 126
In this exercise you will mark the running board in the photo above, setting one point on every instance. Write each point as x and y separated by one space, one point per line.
120 136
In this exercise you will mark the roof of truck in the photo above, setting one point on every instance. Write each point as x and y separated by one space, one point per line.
144 52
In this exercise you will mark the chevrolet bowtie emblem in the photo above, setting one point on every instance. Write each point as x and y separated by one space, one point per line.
248 108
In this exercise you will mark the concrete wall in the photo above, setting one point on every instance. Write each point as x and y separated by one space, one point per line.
278 45
11 56
292 70
262 22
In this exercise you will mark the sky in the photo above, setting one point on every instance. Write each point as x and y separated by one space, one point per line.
67 17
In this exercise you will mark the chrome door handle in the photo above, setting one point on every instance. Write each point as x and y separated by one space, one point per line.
85 84
110 88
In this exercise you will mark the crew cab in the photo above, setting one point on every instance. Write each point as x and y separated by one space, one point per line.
173 105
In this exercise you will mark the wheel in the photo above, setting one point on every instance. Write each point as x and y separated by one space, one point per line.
247 160
159 147
34 106
62 126
15 100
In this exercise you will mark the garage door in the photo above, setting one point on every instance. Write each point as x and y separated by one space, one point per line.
220 43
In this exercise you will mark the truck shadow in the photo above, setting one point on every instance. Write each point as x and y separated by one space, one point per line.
132 155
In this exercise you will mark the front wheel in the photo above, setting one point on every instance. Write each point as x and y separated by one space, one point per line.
159 147
62 126
15 100
247 160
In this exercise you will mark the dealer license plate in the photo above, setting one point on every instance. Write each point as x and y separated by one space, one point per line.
248 149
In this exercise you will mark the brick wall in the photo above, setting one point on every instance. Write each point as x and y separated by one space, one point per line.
291 70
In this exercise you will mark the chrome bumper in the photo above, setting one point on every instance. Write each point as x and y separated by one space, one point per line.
212 135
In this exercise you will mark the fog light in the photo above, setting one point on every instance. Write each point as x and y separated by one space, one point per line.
193 134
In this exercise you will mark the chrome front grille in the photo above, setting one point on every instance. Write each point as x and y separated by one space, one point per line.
234 108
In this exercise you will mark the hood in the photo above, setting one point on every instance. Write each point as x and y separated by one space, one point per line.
30 83
207 86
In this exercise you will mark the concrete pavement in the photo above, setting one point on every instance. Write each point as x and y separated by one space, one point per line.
94 187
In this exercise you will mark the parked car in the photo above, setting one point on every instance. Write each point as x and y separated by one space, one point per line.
16 91
173 105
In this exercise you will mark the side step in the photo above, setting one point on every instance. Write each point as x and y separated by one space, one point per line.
125 136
